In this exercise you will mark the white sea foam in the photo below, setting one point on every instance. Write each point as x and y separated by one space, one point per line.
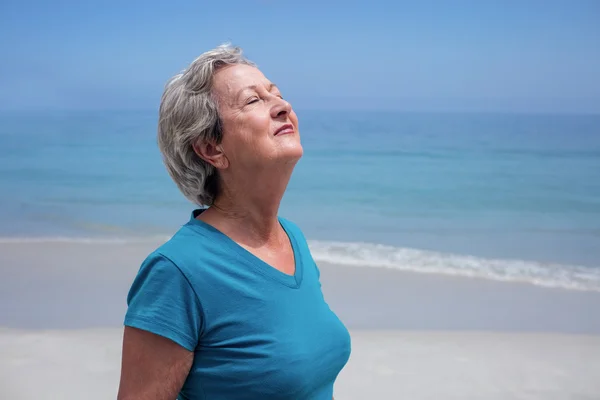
571 277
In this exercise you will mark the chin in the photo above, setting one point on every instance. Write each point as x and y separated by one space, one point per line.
295 153
291 153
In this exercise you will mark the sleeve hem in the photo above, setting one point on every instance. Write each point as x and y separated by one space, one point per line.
158 328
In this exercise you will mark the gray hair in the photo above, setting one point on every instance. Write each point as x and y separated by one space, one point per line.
188 113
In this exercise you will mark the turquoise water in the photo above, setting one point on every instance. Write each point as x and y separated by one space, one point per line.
442 193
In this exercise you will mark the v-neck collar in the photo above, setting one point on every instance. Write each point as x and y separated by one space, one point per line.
293 281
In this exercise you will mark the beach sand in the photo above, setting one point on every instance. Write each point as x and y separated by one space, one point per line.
85 364
416 336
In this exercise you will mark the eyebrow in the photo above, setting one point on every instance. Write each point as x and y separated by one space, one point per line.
254 87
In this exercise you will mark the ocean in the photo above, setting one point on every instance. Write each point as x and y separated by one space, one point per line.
501 197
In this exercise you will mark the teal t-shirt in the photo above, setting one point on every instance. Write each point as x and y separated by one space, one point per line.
256 332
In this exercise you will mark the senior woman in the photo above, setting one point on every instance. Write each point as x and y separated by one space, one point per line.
231 306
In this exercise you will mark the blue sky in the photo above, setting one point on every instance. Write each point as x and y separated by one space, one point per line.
499 56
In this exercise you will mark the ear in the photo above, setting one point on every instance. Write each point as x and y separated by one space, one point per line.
211 153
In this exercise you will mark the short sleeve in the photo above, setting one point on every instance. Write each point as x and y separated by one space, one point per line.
162 301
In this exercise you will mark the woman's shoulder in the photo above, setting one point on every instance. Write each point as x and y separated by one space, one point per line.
186 247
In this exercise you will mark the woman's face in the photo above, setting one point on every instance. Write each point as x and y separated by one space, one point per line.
260 129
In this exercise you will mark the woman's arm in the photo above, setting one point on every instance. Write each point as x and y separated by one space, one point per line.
153 367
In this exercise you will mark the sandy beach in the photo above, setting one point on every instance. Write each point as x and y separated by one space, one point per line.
84 364
417 336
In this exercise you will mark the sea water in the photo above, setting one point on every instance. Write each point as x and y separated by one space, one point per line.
506 197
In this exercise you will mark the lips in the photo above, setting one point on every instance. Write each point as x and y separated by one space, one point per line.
284 129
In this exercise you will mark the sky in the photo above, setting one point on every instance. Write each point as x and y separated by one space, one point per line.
449 56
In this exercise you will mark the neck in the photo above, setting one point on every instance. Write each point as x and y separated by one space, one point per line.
248 206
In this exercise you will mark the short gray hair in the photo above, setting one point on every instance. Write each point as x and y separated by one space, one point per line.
188 113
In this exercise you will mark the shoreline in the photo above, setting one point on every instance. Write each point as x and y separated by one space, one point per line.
66 285
368 298
576 277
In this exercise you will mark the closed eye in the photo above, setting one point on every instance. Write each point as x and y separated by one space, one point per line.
252 100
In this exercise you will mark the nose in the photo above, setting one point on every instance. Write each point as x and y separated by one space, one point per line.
281 108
